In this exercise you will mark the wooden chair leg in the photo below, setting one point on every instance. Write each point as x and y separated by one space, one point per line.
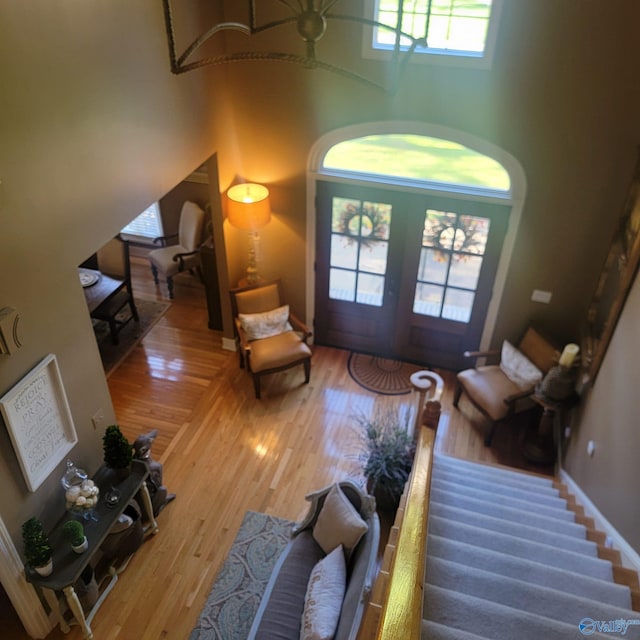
170 287
113 328
256 385
489 437
457 394
154 271
307 370
134 310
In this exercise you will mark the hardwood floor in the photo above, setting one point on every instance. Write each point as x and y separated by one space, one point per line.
225 452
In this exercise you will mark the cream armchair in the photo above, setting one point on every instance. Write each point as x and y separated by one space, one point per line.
501 390
268 336
170 260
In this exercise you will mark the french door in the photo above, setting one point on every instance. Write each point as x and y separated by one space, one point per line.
405 275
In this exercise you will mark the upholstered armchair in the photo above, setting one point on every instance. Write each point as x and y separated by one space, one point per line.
113 261
268 336
184 256
501 390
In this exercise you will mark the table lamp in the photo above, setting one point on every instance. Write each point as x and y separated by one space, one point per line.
248 208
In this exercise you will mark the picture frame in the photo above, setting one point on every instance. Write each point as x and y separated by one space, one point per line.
616 278
37 416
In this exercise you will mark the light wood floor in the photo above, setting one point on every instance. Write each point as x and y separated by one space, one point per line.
225 452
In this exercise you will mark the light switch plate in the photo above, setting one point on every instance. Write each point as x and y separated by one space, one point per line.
541 296
9 339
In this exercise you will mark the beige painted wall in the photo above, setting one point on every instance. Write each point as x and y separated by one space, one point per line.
610 419
93 128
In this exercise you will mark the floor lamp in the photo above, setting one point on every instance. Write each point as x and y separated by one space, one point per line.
248 208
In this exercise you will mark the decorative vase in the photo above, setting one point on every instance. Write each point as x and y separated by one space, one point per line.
80 492
558 384
46 569
82 547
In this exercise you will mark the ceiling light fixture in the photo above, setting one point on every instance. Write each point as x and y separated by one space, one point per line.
310 19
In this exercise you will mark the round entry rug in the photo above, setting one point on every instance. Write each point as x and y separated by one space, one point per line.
381 375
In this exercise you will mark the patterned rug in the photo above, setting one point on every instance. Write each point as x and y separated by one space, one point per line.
381 375
240 584
149 312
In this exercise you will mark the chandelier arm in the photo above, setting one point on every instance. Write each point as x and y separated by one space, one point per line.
290 5
242 56
200 40
168 21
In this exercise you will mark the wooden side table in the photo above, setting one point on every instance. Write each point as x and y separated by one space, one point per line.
68 565
540 447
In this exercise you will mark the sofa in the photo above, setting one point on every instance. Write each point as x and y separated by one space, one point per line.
321 582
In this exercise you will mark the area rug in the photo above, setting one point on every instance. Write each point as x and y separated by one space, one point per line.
149 312
240 584
381 375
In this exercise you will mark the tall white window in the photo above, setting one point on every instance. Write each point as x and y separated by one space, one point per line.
463 29
146 226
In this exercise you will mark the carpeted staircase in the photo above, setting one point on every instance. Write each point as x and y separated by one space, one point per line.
506 560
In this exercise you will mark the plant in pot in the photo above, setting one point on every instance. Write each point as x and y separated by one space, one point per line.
74 533
118 452
37 550
387 456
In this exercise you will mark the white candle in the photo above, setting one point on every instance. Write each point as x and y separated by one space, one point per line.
568 355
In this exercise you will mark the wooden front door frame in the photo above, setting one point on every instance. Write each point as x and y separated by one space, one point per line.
515 198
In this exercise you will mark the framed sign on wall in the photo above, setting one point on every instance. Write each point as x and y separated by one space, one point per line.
37 416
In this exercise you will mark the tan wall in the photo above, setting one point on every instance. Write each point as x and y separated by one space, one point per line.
94 128
610 419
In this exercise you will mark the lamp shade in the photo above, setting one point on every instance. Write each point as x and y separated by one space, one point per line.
248 206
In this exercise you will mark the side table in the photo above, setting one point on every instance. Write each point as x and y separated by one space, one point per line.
68 565
540 447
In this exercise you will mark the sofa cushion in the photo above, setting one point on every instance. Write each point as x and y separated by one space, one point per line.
338 523
279 616
323 600
266 324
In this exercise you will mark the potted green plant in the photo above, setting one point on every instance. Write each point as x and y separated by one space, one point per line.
387 456
73 531
37 550
118 452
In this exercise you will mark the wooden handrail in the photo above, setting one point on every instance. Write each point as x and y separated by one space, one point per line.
395 607
401 614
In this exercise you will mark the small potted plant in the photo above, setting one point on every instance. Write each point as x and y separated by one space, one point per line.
37 550
387 457
73 531
118 452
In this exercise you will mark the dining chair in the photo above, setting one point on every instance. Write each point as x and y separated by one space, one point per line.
183 256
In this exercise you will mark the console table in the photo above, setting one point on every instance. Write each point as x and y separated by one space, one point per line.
540 447
68 565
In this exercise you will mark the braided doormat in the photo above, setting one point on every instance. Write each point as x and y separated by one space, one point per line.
381 375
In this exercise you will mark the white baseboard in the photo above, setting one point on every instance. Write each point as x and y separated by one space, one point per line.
630 557
229 344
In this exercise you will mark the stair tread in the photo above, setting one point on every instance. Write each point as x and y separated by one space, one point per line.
513 475
511 566
434 631
550 496
545 554
515 528
519 594
509 513
493 620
